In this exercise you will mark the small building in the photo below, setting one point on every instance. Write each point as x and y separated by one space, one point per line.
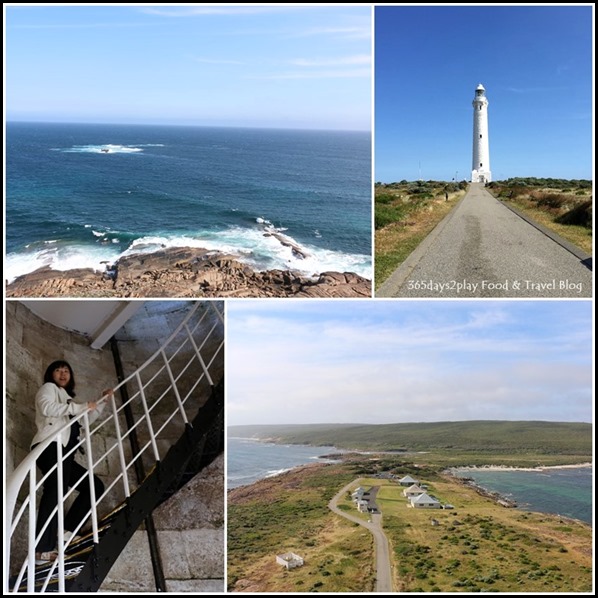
290 560
358 493
363 505
408 481
413 490
423 501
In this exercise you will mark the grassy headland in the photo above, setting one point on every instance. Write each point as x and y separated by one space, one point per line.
405 214
478 546
515 443
289 513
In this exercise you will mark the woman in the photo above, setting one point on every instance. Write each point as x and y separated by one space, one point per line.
53 409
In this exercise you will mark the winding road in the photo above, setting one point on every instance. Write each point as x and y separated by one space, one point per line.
383 570
485 249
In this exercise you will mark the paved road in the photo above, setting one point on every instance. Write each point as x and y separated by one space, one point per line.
484 249
383 572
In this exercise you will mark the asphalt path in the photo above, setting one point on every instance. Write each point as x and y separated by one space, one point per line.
383 571
485 249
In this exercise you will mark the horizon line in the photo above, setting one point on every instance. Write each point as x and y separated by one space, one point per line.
447 421
155 124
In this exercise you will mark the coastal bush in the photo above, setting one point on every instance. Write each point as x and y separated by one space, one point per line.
580 215
387 214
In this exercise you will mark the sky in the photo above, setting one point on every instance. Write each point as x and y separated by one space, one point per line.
355 361
536 65
255 66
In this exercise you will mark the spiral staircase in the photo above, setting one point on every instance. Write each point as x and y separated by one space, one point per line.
167 427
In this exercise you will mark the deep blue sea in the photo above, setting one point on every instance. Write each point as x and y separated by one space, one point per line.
78 195
249 460
563 491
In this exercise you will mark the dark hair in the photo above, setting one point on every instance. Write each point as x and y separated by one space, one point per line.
49 375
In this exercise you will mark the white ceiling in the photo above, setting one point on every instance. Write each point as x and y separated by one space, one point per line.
98 320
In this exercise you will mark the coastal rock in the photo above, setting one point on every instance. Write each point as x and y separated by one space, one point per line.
185 272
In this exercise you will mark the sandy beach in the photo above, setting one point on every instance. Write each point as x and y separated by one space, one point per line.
510 468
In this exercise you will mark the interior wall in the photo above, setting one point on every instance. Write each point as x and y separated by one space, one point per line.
190 524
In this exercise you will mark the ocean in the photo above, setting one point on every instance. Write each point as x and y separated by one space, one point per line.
249 460
82 195
562 491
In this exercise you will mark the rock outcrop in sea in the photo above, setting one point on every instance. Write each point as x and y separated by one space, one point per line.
185 272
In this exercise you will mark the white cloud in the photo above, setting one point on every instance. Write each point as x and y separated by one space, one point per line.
360 59
489 363
227 10
327 74
349 32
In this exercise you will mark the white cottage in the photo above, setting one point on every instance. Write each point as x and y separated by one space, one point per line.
424 501
408 481
413 490
357 493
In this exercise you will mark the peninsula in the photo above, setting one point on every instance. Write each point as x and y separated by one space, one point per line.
455 537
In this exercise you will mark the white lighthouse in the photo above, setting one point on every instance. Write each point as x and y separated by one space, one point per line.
480 165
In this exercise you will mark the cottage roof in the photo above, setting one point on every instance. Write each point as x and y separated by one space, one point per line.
415 488
409 479
424 498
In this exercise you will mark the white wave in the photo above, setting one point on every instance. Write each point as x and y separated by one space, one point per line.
249 245
274 472
60 258
107 148
260 252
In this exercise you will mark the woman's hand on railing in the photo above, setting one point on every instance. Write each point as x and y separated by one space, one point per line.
107 395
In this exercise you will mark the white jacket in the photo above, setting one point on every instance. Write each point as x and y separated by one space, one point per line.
53 406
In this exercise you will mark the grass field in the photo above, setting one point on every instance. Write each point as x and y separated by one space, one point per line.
565 207
480 546
290 514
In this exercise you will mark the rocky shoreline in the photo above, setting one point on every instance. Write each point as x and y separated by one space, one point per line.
498 498
185 272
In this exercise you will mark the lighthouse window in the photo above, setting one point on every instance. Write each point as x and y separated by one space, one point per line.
480 165
480 136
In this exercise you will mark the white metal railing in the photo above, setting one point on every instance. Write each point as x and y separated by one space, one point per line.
163 405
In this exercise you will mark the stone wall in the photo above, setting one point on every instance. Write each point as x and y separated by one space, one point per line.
31 345
190 524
